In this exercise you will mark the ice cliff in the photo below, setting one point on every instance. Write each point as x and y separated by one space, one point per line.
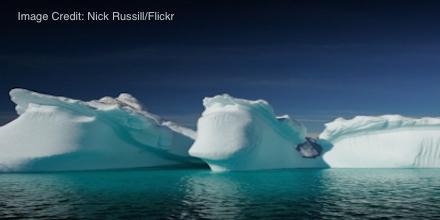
57 133
389 141
238 134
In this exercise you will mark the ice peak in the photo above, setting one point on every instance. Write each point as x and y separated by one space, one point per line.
228 101
124 99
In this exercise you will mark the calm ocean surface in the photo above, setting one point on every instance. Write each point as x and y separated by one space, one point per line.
200 194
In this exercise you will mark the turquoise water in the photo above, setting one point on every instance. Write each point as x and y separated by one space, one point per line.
200 194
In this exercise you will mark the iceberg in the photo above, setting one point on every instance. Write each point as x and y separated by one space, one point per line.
57 133
239 134
388 141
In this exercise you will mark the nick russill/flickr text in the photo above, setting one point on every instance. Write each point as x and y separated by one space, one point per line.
96 16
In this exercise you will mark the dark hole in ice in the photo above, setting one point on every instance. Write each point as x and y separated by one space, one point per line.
310 148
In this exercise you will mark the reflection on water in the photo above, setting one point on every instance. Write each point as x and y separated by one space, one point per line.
200 194
208 196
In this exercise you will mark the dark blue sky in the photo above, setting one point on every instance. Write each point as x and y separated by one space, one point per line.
313 60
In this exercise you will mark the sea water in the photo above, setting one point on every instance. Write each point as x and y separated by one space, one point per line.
201 194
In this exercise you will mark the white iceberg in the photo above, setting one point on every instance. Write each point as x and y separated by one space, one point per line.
389 141
57 133
238 134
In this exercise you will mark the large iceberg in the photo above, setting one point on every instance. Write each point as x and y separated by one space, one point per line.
389 141
238 134
57 133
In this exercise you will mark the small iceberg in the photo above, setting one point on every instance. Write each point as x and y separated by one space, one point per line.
310 148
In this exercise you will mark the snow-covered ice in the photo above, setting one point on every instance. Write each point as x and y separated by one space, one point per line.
238 134
389 141
57 133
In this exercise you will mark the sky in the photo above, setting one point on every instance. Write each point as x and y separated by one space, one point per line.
312 60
